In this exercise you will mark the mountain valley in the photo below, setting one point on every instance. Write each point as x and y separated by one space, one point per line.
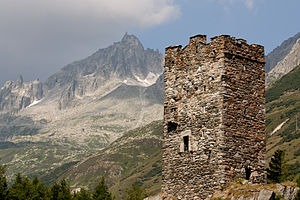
80 109
103 116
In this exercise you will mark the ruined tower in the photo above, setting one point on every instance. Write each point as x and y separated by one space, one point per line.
214 116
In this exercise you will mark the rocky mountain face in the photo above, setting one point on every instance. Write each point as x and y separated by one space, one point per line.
125 61
283 59
82 108
280 52
16 95
289 62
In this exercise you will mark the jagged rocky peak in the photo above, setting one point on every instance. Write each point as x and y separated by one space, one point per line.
125 61
131 40
16 95
20 80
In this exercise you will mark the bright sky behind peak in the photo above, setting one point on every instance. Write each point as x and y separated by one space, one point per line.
39 37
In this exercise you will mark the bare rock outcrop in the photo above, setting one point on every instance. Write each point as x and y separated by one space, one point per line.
16 95
286 65
123 62
287 192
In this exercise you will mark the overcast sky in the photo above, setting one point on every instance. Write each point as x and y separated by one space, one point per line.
39 37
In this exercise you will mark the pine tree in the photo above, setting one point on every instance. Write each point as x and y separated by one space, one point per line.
83 195
276 172
136 193
60 191
3 184
39 190
21 189
101 191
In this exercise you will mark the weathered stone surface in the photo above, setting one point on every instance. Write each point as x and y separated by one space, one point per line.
287 64
214 116
266 195
287 192
16 95
156 197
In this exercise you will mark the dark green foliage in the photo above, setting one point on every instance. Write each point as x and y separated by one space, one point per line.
276 172
51 177
136 193
155 171
277 197
24 189
288 82
297 153
298 194
101 191
294 169
290 133
285 104
60 191
40 190
3 184
83 195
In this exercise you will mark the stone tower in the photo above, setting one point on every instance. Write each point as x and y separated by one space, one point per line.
214 116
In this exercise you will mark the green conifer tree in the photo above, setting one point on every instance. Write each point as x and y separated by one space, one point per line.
21 189
3 184
60 191
136 193
277 170
39 190
101 191
83 195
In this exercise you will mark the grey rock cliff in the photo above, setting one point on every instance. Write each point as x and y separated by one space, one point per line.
280 52
16 95
287 64
125 61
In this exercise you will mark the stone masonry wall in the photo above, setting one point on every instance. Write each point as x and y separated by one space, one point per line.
244 113
198 107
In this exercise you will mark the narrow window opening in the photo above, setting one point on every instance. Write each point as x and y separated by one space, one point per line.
172 126
248 173
186 143
204 88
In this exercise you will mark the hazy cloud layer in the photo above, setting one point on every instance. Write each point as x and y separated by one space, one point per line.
38 36
227 3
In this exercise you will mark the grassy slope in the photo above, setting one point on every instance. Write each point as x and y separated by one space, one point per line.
136 157
283 103
133 158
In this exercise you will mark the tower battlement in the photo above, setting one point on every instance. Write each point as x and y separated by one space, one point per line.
222 45
214 116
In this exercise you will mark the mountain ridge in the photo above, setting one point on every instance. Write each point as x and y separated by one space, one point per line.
284 66
280 52
73 118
